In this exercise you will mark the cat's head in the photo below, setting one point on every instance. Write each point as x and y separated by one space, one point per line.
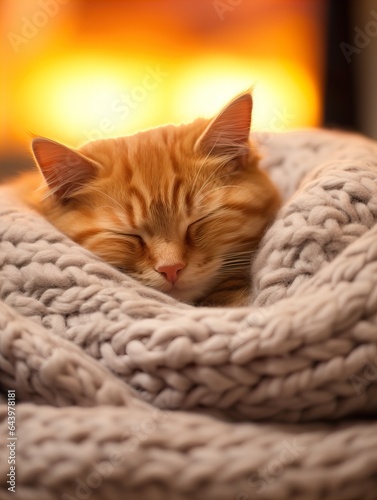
179 208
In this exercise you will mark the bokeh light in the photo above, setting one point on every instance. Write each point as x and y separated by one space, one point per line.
103 69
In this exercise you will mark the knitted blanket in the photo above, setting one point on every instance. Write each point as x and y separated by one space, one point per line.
123 392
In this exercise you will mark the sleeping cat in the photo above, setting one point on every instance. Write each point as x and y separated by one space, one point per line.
179 208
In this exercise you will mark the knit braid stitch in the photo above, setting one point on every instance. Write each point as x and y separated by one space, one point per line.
77 332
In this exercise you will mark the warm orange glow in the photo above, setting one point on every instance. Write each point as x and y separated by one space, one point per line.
86 98
114 68
69 98
284 94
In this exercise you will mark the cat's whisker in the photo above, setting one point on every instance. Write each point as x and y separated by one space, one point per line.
53 190
210 177
92 188
225 159
43 185
201 166
226 187
237 261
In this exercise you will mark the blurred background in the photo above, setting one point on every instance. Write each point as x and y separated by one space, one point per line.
78 70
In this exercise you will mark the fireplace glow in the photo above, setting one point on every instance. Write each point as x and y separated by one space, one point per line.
106 69
89 98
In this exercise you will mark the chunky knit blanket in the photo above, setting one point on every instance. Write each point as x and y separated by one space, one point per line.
124 393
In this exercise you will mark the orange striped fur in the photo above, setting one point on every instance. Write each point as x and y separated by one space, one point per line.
191 195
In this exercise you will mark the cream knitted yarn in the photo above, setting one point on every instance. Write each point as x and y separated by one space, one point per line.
74 331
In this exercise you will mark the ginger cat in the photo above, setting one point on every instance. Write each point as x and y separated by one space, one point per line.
179 208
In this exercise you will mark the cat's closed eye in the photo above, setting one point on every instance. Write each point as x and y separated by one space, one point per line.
134 237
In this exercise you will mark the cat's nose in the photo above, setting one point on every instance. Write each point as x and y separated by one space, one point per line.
170 272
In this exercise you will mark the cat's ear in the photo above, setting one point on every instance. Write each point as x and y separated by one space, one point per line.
228 133
64 170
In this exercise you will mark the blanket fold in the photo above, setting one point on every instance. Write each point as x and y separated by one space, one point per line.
112 378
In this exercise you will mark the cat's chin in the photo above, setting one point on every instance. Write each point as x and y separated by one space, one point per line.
184 294
188 288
